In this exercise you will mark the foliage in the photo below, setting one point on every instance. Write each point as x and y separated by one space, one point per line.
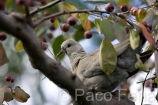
48 17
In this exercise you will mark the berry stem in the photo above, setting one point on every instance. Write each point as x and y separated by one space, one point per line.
44 7
4 84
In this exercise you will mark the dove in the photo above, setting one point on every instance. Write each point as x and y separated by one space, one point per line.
86 65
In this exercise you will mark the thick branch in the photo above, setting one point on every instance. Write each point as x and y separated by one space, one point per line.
45 7
50 68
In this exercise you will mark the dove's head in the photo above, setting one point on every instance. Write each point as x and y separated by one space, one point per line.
70 46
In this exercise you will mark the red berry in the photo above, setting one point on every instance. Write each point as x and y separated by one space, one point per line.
52 27
71 21
42 39
124 8
43 2
2 4
50 36
145 24
65 27
52 20
20 2
31 3
88 34
3 36
133 10
12 80
109 7
44 46
149 25
8 78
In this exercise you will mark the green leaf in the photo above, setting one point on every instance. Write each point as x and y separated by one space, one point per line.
97 25
79 34
71 7
118 31
3 56
149 16
76 3
134 39
56 23
19 46
140 14
106 29
107 57
20 95
139 64
56 45
112 30
1 95
121 2
83 19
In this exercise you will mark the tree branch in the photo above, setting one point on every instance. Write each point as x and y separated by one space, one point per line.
49 67
143 88
77 11
44 7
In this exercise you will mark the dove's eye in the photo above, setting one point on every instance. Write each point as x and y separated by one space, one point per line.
69 45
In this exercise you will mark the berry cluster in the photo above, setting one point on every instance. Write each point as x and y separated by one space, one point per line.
110 7
148 26
9 79
43 43
71 21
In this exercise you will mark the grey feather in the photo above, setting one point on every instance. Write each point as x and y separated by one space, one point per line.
87 68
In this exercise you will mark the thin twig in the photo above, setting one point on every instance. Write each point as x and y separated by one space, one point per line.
72 12
143 88
146 80
44 7
27 11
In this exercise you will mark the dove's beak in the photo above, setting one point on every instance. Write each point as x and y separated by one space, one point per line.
61 52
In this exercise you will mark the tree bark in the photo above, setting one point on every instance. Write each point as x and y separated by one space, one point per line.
18 26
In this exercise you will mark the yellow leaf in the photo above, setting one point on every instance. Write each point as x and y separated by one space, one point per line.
83 19
71 7
140 14
18 46
88 25
134 39
56 23
107 57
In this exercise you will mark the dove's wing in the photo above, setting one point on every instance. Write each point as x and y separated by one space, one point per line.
94 69
121 47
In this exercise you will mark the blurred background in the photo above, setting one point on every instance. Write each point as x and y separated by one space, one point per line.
43 91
